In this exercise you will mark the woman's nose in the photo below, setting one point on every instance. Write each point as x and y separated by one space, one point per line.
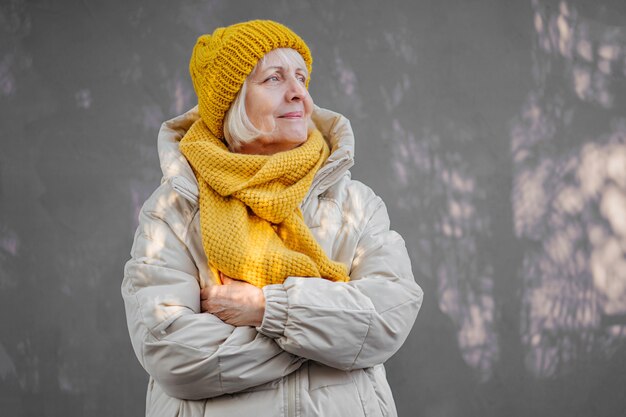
296 90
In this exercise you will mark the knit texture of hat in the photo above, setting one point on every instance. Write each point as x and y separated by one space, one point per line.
221 62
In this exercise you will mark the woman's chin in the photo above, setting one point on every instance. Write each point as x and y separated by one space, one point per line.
294 136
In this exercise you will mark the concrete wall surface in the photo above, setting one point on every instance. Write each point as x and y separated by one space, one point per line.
494 130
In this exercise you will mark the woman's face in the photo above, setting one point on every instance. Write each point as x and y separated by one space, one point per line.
278 102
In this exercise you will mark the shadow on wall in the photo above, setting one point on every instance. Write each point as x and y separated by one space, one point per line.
569 195
560 303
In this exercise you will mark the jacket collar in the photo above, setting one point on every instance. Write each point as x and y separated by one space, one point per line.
335 128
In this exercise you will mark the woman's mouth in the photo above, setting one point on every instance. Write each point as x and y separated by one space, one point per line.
292 115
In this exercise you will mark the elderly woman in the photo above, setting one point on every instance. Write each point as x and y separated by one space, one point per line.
263 280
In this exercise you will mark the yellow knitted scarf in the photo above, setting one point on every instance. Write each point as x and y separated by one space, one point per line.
252 226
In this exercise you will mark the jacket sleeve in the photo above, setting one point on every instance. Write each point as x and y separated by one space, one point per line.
357 324
191 355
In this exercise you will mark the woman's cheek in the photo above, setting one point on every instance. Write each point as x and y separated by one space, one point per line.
266 124
308 105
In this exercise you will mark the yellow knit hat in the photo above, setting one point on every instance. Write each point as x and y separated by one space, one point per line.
221 62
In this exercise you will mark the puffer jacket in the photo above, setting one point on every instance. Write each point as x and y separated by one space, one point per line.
321 346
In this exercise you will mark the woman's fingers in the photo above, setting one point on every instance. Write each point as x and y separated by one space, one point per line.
238 303
226 280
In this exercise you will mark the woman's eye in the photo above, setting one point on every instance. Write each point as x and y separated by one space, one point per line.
302 78
272 78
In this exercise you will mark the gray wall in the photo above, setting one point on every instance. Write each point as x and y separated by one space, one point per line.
494 130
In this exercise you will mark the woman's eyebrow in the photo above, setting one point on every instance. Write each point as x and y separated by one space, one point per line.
281 68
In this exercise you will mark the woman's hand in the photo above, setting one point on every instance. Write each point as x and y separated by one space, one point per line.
236 302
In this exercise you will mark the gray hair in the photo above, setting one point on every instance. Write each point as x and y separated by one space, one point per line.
238 129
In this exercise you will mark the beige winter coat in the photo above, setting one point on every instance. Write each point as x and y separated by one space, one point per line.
321 347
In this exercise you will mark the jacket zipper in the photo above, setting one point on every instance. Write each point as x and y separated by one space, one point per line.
291 394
